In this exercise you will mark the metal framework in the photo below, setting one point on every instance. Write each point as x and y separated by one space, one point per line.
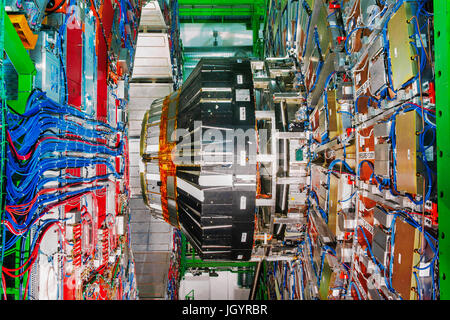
188 260
442 69
221 7
252 12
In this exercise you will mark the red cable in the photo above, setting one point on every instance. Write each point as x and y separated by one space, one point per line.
26 287
28 155
33 254
12 210
4 286
418 106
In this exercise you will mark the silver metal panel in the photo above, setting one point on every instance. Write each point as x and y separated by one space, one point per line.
48 75
145 90
151 17
377 74
151 240
135 184
152 236
382 152
381 168
141 97
375 47
156 41
151 271
381 129
152 58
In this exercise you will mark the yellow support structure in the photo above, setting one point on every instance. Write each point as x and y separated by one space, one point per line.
27 36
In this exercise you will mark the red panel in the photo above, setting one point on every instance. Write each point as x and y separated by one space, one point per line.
74 62
116 197
107 14
69 287
118 162
126 159
101 83
101 196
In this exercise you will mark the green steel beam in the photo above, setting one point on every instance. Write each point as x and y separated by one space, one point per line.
198 263
215 11
223 10
219 2
22 62
183 268
187 262
442 71
215 19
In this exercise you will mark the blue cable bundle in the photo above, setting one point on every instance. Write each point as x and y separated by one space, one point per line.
44 129
124 20
322 212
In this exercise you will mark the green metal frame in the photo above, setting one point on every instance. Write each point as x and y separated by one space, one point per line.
218 19
442 71
226 11
22 62
188 260
233 6
215 11
218 2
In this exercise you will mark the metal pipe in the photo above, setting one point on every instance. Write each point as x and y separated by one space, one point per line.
257 273
255 280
